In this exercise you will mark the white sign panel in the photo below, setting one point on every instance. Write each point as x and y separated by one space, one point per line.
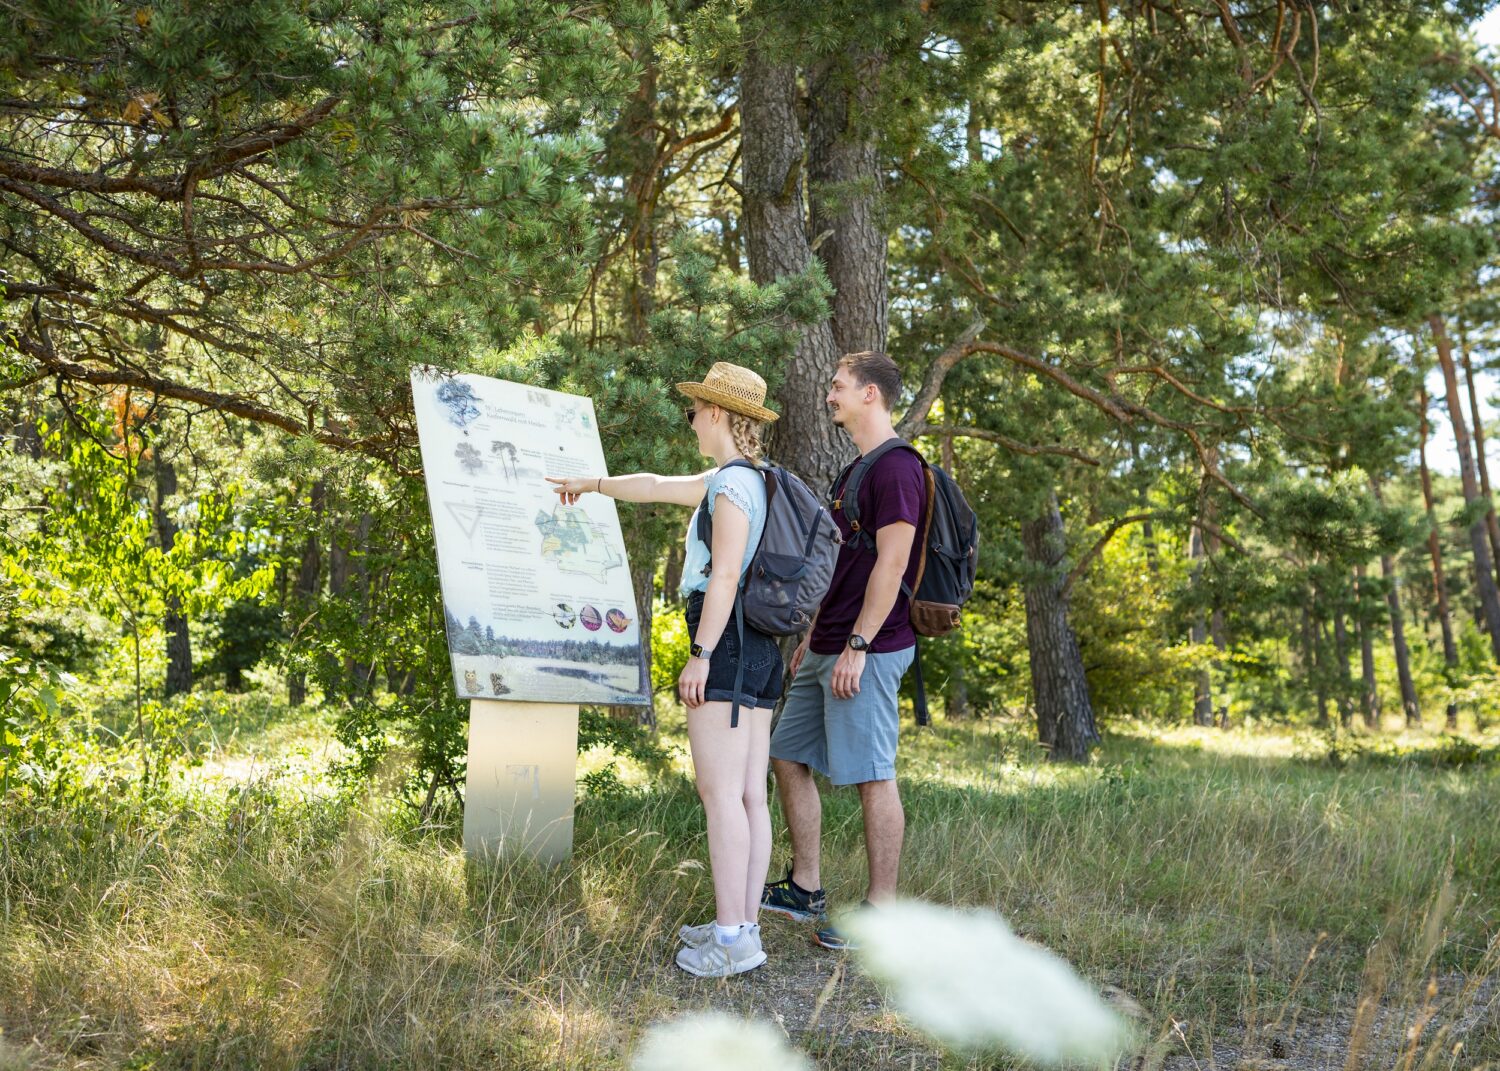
536 595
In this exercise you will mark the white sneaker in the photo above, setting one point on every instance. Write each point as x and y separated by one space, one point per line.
693 936
713 960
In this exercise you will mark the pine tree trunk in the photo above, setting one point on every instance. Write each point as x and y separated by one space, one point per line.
361 674
1484 567
1220 636
1491 523
1341 678
1203 695
639 120
1064 711
1410 706
643 130
1311 667
174 621
843 163
777 244
1319 649
338 587
671 574
643 582
1369 696
25 437
956 703
309 576
1435 549
1148 529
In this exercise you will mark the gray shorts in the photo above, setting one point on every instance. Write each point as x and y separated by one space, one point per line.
849 741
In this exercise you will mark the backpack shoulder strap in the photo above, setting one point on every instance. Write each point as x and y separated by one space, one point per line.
848 499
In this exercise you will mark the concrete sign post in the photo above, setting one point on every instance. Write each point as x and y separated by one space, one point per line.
522 774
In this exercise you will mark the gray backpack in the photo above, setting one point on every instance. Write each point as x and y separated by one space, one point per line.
792 566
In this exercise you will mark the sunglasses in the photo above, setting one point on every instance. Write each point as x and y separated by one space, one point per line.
689 413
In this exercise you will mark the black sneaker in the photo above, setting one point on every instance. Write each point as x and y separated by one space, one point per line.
786 898
827 935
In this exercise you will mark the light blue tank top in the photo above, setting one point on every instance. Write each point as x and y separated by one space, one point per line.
746 488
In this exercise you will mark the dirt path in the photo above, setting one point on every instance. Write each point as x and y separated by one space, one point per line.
828 1008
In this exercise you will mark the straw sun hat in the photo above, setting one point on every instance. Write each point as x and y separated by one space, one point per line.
736 389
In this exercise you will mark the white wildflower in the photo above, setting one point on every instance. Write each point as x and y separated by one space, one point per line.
964 978
713 1041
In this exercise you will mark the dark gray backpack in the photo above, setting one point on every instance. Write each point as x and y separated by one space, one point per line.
948 551
792 566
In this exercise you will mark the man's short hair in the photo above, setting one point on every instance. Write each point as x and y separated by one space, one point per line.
869 366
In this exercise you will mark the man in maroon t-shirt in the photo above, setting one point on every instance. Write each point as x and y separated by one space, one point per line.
840 714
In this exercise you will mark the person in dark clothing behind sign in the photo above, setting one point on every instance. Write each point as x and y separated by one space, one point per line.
840 715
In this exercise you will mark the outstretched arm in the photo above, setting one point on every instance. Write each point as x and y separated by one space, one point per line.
637 487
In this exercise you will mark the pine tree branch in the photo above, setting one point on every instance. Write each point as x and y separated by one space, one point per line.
1137 518
208 166
1014 445
937 371
39 348
1120 409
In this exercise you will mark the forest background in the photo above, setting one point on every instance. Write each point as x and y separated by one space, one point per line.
1197 301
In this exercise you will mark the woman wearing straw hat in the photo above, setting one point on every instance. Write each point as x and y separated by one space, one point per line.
728 415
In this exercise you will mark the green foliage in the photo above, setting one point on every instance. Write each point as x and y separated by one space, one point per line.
669 646
100 549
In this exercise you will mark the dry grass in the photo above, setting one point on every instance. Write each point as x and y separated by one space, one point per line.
265 925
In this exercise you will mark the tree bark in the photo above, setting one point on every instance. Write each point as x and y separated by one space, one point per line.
1410 706
1435 549
640 123
1220 635
671 574
1369 695
844 187
1341 676
1491 523
956 703
1203 696
643 583
309 576
1064 711
1484 566
640 529
361 674
1312 668
777 244
174 621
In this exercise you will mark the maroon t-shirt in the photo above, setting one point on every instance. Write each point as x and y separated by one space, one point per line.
893 489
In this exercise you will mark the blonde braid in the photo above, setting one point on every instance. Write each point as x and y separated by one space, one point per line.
746 432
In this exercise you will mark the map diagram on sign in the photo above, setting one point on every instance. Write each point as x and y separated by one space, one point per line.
576 544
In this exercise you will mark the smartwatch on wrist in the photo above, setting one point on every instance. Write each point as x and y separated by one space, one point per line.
697 650
858 643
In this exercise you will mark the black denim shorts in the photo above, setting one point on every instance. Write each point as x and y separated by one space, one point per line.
761 683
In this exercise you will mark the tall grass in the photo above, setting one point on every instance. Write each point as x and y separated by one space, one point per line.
265 925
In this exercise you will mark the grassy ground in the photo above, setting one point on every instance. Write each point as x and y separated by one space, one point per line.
1248 889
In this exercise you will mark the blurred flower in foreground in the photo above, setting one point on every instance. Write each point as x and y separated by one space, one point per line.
712 1041
966 979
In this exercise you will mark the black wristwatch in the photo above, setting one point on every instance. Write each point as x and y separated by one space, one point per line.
858 643
697 650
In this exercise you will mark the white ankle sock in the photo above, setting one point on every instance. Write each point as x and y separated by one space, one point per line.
728 935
